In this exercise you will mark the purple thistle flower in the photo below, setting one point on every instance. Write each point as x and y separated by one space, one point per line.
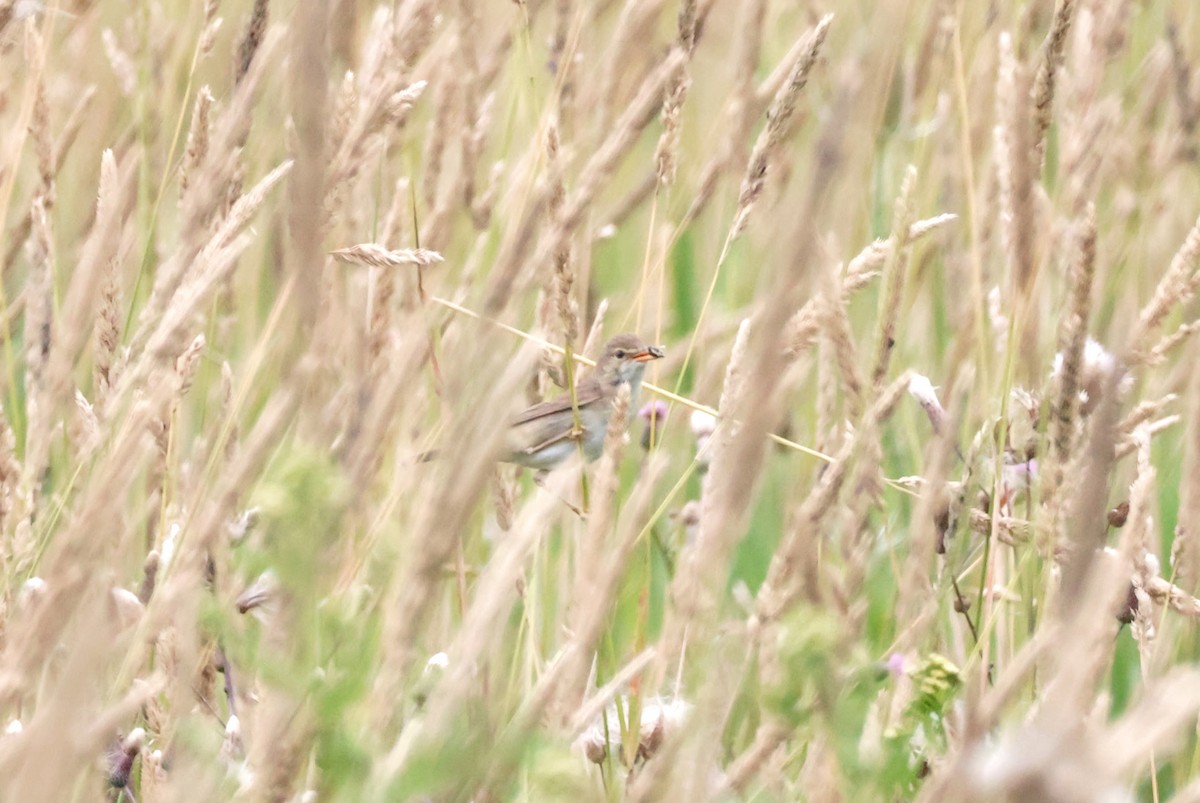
654 414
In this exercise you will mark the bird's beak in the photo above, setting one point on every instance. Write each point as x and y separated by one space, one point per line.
652 353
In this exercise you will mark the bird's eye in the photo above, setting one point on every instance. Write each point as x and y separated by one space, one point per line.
620 354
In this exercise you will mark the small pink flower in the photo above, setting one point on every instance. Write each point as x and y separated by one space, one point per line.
654 413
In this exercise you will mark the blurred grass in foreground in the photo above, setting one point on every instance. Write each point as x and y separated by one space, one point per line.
934 264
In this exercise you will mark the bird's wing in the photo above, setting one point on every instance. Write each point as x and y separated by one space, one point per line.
585 393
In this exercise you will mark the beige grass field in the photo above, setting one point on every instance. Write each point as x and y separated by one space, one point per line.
909 511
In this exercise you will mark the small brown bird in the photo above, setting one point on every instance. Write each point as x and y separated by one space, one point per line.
544 436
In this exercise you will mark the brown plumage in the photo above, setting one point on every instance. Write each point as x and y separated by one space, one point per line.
540 437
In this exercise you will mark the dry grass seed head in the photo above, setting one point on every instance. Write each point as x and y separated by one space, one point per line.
707 557
10 477
39 129
740 112
793 568
159 328
93 275
1186 101
39 306
845 351
894 275
1186 548
513 269
1073 329
779 117
62 148
1168 343
1015 170
564 276
251 39
802 329
122 64
438 136
666 152
827 425
1048 67
378 256
197 139
1177 286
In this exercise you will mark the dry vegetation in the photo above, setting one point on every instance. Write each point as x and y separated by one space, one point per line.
916 514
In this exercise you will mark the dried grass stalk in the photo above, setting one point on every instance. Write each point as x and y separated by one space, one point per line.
594 591
10 490
668 142
1127 445
163 318
1177 287
1143 412
309 93
779 117
492 599
1189 105
208 187
39 130
696 582
802 329
187 363
93 276
1167 593
894 274
474 139
595 173
635 18
62 148
1088 509
39 309
1168 343
792 571
593 342
1073 329
564 275
1049 65
1015 170
444 508
251 39
841 341
1009 530
197 139
1135 545
438 136
637 115
122 65
378 256
208 33
384 107
739 113
747 766
827 429
1186 548
665 153
40 332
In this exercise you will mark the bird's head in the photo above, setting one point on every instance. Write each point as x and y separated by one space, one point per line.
624 360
